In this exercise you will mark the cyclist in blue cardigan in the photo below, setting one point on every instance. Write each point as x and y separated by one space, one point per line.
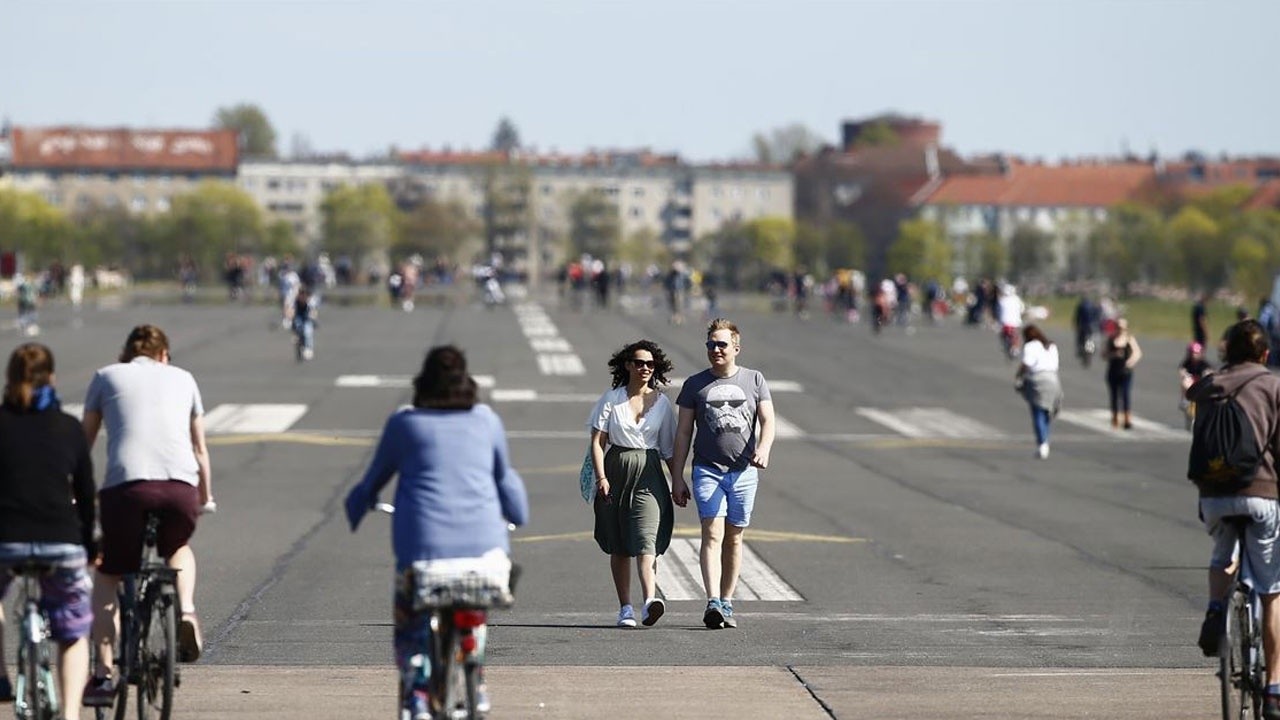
455 496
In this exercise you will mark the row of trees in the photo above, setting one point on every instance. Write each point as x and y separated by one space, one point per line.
1202 244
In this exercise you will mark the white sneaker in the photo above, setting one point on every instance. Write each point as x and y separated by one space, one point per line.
627 617
1042 452
653 609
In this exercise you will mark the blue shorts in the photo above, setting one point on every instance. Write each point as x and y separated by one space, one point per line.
64 593
1261 536
729 494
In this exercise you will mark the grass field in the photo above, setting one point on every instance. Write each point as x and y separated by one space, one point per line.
1148 317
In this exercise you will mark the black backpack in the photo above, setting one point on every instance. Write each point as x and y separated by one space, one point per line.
1224 450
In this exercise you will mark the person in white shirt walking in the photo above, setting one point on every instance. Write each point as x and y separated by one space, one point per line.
633 430
1037 379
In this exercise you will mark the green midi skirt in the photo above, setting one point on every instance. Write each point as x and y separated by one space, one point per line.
638 518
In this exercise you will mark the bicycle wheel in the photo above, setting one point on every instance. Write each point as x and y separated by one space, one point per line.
157 653
1233 659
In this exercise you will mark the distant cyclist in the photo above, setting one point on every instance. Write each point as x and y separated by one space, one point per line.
453 500
157 461
1246 355
304 323
46 511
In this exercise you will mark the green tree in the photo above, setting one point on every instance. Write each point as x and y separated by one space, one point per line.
784 144
1129 247
1248 268
257 136
845 246
1030 253
811 248
508 213
594 225
772 241
506 138
1199 260
214 219
877 134
728 250
435 229
279 239
113 235
642 248
359 221
921 251
31 226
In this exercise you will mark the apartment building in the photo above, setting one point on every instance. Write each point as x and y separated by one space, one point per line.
293 190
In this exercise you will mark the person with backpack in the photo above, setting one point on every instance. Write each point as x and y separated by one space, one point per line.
1234 446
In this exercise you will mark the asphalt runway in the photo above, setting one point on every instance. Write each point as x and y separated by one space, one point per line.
908 555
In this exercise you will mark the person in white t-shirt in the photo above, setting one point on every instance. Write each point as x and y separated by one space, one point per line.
633 431
1037 379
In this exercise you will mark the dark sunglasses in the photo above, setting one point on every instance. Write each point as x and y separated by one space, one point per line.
643 363
717 344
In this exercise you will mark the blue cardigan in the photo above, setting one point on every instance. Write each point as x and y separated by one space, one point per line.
457 490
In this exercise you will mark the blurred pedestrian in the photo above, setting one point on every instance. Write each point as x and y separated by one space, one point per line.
1122 354
1037 377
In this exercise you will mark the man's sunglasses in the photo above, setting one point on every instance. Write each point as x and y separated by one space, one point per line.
717 345
643 363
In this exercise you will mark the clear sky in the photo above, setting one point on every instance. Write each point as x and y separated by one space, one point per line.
1043 78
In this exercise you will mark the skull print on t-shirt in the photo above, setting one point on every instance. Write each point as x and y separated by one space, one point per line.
724 416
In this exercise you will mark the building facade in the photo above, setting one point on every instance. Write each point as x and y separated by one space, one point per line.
78 168
293 191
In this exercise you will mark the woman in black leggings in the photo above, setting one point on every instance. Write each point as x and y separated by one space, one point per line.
1122 354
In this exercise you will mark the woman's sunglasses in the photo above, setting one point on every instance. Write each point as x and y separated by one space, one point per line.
643 363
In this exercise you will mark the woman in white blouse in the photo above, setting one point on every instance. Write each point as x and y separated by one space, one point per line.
633 429
1038 379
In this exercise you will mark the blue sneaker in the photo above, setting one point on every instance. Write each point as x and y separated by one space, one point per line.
713 618
726 611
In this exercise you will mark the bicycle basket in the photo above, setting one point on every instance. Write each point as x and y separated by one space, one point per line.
467 583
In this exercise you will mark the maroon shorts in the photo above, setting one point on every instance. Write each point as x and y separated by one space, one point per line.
123 514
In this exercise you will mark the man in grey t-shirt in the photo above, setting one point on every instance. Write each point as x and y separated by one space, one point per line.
724 402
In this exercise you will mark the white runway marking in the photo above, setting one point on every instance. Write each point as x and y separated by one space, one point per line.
756 580
931 423
398 382
525 395
785 428
262 418
555 354
787 386
75 409
1099 420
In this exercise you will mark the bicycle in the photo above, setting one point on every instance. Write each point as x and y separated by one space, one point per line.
35 692
147 647
1241 660
457 595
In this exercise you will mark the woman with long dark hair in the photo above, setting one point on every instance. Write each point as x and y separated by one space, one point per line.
455 494
47 511
1038 378
633 430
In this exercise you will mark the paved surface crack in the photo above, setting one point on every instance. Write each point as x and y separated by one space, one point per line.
821 703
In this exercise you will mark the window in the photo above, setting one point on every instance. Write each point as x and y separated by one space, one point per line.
273 184
545 189
83 202
111 201
138 203
762 193
637 192
637 212
162 203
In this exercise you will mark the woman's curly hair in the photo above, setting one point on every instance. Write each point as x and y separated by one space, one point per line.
661 365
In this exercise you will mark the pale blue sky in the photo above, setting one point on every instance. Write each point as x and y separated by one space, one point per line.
1048 78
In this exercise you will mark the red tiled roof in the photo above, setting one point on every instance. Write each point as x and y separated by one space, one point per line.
1266 198
1101 185
79 148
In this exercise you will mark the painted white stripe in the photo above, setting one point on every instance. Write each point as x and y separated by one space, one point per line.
762 580
515 395
540 330
785 428
756 580
550 345
930 423
398 382
260 418
568 364
75 409
681 577
1099 420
